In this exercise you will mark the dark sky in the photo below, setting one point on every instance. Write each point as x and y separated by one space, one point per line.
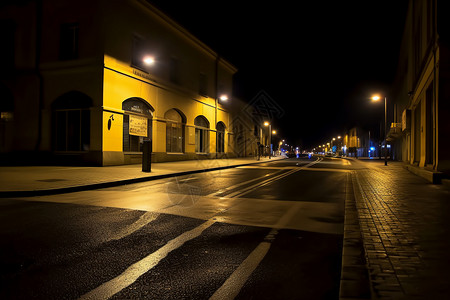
320 61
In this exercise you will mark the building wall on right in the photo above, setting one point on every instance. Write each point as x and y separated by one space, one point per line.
421 91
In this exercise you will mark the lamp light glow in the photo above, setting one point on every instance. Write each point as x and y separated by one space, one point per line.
149 60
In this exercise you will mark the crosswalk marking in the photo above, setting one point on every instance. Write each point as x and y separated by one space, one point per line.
132 273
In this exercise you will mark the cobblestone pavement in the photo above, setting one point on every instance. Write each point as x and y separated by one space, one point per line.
405 226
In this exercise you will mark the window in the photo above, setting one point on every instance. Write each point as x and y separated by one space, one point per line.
71 122
429 118
174 71
201 134
417 133
7 50
220 143
137 124
174 131
68 43
203 85
137 53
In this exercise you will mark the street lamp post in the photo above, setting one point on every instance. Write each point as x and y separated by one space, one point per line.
376 98
270 138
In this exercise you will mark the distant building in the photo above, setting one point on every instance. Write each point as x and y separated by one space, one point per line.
89 81
358 142
420 130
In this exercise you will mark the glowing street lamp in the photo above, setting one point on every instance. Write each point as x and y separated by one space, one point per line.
223 97
149 60
377 98
270 138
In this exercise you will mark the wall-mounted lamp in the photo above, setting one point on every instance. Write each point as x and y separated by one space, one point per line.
111 118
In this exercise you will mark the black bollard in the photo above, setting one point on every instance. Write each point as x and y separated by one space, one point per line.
147 156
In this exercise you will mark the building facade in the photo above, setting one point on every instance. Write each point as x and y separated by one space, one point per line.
90 81
421 93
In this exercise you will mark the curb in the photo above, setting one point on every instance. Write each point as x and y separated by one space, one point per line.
94 186
355 282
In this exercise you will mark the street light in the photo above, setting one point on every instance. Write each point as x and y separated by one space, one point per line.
377 98
223 97
270 138
149 60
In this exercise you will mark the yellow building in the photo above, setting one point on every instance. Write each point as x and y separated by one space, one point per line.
90 81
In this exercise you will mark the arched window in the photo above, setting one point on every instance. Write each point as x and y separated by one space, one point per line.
71 122
201 134
175 121
220 143
137 124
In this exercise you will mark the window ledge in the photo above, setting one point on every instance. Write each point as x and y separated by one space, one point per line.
175 153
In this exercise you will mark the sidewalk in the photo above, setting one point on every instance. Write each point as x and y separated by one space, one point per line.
45 180
404 224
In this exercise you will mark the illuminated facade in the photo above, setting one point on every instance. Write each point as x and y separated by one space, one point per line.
89 81
420 130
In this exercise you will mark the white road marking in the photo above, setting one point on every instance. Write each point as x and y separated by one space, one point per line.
132 273
270 180
240 184
143 220
233 285
265 167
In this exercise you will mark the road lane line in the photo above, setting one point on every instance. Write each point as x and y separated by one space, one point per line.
266 168
270 180
221 191
233 285
275 174
136 270
143 220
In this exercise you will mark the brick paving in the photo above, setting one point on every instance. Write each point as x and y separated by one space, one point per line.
404 223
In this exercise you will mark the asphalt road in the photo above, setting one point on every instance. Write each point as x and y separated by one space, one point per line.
267 231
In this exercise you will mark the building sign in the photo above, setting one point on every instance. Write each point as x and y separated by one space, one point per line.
138 106
138 126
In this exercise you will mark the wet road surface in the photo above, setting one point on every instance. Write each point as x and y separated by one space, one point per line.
267 231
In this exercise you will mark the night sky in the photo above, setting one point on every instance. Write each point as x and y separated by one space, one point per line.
320 61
